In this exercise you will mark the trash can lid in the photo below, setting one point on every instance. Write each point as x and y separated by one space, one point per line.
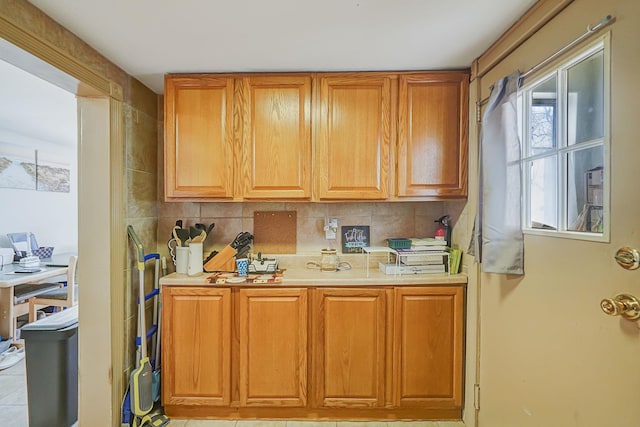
56 321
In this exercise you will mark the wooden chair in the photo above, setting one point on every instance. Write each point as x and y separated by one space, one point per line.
21 296
66 296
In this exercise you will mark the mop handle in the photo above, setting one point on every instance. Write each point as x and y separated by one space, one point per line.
141 314
136 242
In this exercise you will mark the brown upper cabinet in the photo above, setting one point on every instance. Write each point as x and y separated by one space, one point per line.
316 136
275 136
352 149
432 134
198 137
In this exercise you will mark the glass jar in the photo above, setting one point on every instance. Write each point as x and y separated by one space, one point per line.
329 260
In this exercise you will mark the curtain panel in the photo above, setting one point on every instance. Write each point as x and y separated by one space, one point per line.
497 240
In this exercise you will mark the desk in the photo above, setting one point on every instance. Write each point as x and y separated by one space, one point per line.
9 279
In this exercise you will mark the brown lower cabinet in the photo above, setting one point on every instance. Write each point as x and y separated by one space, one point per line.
273 347
350 347
196 346
359 353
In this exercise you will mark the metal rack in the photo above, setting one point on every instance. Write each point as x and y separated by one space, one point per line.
367 251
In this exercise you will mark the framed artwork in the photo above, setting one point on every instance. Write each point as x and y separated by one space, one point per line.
354 238
53 172
17 166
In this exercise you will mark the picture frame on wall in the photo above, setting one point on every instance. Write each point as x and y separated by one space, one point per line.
354 238
53 172
17 166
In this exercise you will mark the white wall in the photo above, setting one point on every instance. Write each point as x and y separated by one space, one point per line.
40 116
52 217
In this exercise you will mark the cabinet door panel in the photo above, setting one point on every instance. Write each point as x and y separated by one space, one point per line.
355 137
198 137
196 337
350 347
432 141
428 347
276 136
273 347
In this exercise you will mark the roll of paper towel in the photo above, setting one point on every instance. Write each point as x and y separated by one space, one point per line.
6 255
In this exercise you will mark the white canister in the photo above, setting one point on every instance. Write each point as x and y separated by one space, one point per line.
194 266
182 259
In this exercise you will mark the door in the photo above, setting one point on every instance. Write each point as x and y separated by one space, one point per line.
276 136
273 347
355 135
549 355
350 347
196 356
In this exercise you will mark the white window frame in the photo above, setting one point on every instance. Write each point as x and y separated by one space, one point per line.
561 149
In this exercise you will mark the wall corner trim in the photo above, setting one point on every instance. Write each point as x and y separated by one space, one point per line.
115 91
49 53
528 24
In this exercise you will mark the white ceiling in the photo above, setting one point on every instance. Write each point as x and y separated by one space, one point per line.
148 38
34 108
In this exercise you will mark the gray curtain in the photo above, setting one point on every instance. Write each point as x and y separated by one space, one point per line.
497 241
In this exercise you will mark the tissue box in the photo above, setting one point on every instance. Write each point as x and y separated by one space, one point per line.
6 256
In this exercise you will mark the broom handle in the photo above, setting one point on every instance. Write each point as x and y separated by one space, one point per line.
141 314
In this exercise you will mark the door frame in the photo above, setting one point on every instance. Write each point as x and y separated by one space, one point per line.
101 235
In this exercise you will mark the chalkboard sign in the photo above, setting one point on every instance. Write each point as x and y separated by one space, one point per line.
354 238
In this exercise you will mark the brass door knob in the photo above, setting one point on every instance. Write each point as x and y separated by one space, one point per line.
628 258
623 305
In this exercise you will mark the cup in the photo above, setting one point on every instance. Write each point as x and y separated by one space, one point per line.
182 259
194 265
242 265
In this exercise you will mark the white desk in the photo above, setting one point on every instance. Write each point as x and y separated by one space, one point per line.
9 279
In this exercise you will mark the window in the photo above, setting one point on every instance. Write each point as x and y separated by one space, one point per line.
565 158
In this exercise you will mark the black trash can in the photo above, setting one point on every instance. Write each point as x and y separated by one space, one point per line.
51 346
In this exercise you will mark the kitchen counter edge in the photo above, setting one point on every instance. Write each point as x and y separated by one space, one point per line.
310 278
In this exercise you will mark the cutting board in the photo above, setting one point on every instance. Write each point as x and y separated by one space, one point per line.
275 232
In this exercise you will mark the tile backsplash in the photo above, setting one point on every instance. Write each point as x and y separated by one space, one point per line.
385 219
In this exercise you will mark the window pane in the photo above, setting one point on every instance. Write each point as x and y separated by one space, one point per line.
542 117
585 100
543 184
585 190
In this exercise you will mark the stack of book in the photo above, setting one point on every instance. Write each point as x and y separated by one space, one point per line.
426 255
455 256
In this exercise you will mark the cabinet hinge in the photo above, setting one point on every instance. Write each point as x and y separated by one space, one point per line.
478 116
476 396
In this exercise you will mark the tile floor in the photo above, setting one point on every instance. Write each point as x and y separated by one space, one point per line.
14 411
13 396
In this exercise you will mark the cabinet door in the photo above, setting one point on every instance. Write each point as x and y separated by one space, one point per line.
198 137
276 136
349 347
196 338
428 347
432 134
352 150
273 347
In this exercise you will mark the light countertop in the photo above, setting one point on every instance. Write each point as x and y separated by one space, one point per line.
296 274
